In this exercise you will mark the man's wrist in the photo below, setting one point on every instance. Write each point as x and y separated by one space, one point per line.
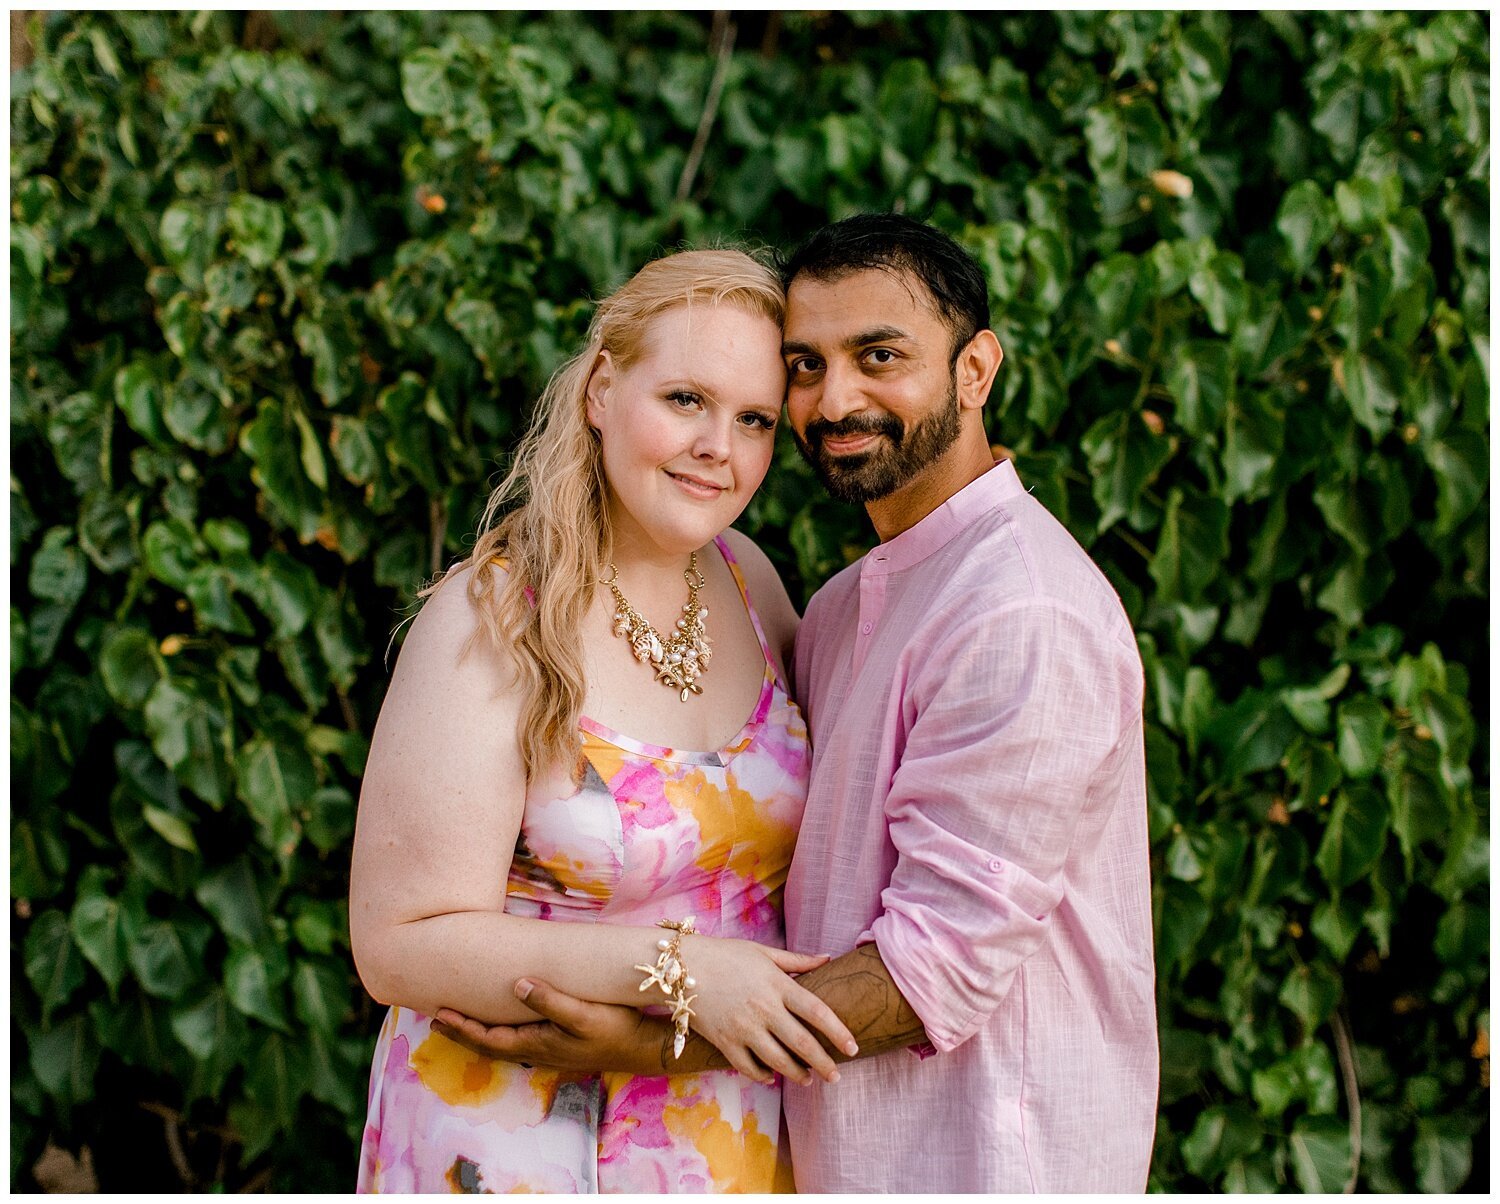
698 1053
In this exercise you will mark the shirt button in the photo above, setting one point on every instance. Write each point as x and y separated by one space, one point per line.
866 628
996 864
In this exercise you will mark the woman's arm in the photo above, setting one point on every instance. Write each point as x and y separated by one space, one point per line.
438 819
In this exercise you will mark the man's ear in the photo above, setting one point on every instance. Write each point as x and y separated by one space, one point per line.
974 372
596 392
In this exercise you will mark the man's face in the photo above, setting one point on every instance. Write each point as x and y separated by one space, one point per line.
870 388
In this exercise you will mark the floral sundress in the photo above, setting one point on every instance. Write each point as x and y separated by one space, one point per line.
652 832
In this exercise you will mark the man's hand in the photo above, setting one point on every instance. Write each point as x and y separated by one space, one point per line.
576 1034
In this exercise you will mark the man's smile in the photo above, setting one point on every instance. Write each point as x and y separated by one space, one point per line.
848 445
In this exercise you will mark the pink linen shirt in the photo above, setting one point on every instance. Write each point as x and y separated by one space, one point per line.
978 810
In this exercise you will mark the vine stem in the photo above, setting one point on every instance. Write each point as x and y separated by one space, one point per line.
171 1119
1345 1049
437 519
725 31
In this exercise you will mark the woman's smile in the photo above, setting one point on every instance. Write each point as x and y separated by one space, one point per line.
697 487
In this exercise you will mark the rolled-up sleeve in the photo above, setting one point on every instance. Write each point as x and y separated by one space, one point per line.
1011 720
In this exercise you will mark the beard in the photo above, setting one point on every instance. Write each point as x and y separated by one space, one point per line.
891 464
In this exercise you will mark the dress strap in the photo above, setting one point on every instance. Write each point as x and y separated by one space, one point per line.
739 580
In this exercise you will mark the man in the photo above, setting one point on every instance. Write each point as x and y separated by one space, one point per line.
975 831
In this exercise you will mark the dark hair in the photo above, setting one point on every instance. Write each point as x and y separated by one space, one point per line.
893 242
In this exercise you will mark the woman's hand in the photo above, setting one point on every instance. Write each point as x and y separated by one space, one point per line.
759 1017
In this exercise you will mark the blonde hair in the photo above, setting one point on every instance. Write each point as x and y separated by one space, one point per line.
548 517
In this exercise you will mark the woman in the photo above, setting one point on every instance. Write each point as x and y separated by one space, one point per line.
529 806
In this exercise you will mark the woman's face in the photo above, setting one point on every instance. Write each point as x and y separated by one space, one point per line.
687 430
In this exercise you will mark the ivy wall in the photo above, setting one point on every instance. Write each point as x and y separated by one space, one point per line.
283 286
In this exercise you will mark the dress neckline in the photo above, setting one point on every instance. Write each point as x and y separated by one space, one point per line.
741 739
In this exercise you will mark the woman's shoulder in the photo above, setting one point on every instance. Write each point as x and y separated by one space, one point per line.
449 624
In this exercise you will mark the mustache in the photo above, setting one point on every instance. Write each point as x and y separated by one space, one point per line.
855 424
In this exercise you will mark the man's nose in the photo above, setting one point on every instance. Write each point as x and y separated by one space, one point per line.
841 395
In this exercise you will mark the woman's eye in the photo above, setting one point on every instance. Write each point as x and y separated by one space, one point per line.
762 422
684 400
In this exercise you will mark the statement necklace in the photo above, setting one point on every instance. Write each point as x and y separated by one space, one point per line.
680 660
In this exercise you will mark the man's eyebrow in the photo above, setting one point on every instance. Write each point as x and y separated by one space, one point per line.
878 334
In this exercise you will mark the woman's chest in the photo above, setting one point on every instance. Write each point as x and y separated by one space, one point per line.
644 830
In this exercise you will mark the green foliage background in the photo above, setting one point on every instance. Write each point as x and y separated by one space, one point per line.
283 287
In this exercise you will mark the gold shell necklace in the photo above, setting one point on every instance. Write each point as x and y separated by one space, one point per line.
680 660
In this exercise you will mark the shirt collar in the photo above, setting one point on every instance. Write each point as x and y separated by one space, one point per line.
921 540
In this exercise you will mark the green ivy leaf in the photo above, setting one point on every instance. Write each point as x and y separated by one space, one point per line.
1305 221
233 897
1252 447
1373 391
322 994
171 827
424 83
65 1060
1443 1156
278 470
1361 741
1220 1135
277 1078
167 955
215 1034
289 593
1336 924
258 227
170 552
1460 466
330 818
1124 457
1219 286
139 394
1321 1155
98 929
1193 543
354 449
253 979
1363 204
274 779
1363 299
1304 1076
1201 379
1354 837
188 730
1310 992
53 965
319 925
59 572
129 666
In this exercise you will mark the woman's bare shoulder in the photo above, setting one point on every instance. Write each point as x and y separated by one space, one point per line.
449 633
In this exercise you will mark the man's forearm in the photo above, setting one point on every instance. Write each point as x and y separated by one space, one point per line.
861 990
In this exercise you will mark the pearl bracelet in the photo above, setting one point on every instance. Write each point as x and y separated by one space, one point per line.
671 975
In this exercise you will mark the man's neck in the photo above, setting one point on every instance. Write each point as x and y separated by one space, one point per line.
964 463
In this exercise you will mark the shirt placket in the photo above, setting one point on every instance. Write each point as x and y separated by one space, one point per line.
872 591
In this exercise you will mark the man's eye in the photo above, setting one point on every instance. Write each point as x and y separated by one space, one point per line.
805 363
882 355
